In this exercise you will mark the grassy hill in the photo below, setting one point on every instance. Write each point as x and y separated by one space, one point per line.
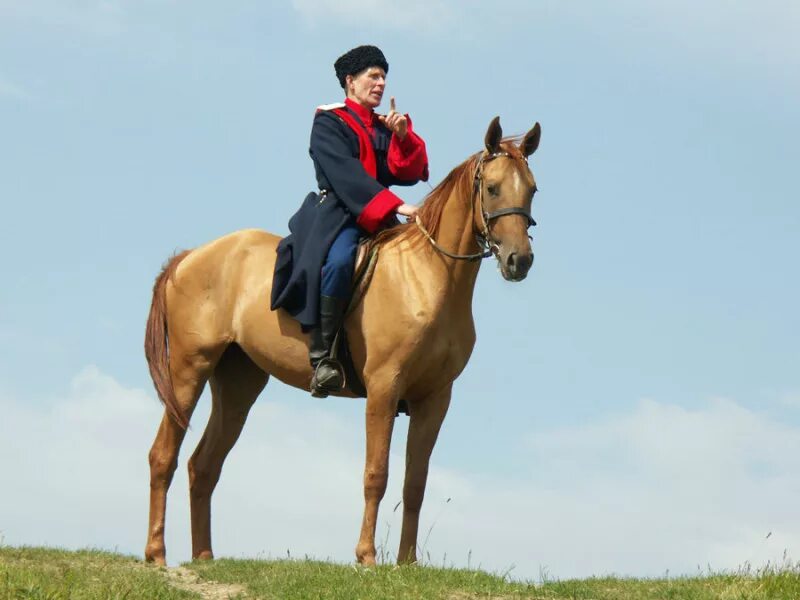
51 574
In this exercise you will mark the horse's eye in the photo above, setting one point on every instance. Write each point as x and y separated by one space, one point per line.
493 189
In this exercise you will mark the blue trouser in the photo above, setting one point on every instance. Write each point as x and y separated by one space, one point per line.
337 272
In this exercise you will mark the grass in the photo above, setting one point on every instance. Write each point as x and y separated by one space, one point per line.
51 574
311 580
742 586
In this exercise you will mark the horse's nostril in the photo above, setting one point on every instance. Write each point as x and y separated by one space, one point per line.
519 264
528 260
523 262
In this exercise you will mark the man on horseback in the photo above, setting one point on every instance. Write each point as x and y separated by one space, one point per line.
357 155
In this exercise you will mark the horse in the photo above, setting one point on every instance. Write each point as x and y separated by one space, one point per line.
209 322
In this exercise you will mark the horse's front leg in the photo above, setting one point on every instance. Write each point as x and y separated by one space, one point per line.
426 416
381 408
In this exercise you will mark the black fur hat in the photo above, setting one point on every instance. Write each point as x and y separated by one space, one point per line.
358 59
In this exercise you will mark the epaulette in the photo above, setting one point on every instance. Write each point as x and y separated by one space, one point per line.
333 106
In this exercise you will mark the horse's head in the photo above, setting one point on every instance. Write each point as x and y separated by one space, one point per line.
505 187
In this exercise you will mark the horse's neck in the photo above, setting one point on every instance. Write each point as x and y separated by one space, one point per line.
452 278
457 230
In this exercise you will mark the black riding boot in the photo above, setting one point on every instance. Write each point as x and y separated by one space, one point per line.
328 373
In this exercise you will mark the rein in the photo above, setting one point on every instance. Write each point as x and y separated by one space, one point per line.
477 256
483 239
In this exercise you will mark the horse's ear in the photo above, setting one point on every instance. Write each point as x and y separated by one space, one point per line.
493 136
531 140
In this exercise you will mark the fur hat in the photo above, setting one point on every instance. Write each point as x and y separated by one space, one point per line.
358 59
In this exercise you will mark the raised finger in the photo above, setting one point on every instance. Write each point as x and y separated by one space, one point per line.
392 107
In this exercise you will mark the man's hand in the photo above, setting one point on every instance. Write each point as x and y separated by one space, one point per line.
394 121
407 210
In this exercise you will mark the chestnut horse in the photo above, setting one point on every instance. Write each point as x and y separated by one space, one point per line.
411 334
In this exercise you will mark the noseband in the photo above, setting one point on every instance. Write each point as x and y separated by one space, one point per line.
489 247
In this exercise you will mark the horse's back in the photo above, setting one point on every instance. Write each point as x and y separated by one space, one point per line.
229 247
213 281
221 295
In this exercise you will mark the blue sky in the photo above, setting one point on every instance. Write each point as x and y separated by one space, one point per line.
632 407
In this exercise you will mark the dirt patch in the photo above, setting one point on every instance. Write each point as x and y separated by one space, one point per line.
184 579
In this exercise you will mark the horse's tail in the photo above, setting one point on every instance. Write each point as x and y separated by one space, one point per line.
156 342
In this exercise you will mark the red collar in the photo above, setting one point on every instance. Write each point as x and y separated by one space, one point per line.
365 114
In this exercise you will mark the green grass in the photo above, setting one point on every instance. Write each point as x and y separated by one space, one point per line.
41 573
51 574
763 586
309 580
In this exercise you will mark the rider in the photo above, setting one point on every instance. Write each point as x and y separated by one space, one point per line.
357 154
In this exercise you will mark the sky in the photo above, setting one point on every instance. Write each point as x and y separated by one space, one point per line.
631 408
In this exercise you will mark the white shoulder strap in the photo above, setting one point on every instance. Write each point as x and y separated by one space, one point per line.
331 106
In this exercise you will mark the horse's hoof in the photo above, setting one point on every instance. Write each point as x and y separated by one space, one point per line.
205 555
157 557
366 558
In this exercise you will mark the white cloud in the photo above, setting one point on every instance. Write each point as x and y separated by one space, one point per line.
762 27
12 90
679 486
790 399
96 17
663 487
411 15
751 34
72 469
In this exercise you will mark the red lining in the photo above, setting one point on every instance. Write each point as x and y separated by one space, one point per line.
366 153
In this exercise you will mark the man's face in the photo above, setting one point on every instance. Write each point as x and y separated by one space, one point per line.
367 87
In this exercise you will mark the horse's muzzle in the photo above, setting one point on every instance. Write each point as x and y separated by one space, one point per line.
516 265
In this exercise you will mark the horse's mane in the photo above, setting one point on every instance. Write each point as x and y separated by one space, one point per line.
430 213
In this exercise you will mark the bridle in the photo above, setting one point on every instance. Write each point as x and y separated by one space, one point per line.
488 246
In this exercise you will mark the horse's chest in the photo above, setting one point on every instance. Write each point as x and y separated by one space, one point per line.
446 351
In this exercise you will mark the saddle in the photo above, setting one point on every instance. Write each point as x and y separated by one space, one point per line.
366 259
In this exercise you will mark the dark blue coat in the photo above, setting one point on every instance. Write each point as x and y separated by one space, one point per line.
343 167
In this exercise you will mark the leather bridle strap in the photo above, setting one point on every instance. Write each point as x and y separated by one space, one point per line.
487 216
483 239
514 210
477 256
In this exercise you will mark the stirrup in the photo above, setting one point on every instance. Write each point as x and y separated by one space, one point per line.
321 389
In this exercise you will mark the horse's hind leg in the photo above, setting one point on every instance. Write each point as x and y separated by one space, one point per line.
189 374
425 421
235 385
